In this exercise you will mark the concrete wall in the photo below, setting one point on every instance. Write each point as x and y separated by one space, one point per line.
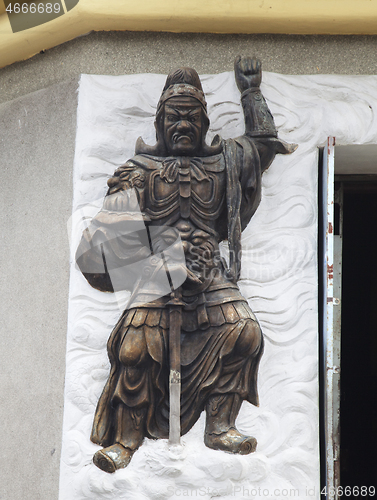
38 121
37 143
118 53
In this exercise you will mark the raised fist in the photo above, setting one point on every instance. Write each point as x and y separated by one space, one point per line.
248 72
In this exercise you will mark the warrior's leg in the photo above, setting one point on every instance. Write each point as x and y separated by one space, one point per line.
220 431
128 422
128 437
222 409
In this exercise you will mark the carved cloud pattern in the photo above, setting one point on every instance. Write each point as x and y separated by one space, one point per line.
279 279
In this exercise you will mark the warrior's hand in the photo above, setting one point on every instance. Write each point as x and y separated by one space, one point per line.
248 72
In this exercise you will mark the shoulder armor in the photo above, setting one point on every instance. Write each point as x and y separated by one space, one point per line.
127 176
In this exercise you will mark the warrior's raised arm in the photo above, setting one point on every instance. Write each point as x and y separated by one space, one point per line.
259 122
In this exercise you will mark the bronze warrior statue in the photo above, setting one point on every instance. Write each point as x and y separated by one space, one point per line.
197 332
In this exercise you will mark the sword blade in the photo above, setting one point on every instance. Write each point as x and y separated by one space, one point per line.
175 324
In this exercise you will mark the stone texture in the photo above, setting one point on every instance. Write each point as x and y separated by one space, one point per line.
36 156
117 53
278 277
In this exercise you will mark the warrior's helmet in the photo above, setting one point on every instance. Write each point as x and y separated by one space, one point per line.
183 82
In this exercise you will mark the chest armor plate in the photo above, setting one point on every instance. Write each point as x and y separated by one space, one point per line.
186 188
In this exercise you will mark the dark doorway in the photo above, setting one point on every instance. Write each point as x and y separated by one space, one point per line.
358 404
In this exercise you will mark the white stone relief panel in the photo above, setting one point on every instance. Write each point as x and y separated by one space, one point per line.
279 279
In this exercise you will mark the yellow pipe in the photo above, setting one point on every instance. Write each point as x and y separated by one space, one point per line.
206 16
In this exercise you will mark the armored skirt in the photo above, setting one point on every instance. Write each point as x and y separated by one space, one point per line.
221 346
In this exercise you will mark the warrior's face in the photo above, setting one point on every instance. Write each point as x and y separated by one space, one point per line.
183 126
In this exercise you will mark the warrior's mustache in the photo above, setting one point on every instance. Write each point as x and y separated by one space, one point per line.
176 137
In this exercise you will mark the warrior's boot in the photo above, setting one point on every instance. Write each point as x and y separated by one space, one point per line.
128 437
220 432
